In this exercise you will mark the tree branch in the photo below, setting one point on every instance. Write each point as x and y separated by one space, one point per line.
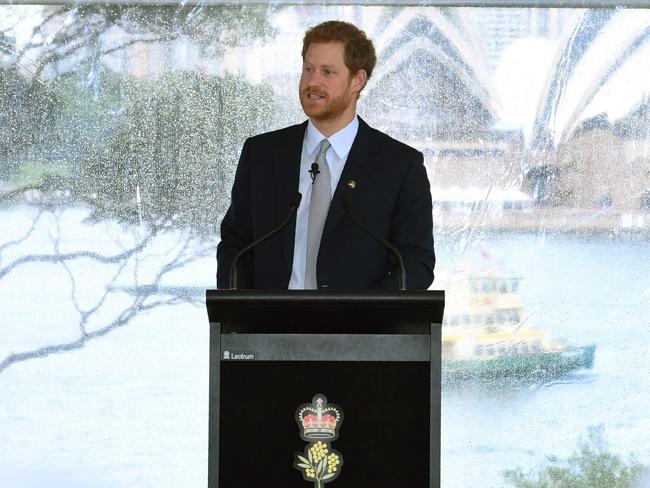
123 319
59 258
138 305
22 239
132 42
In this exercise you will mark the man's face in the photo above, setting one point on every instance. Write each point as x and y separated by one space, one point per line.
327 88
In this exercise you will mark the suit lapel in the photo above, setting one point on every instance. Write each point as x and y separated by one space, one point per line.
286 172
358 169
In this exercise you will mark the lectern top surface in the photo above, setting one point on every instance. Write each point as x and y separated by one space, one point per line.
316 311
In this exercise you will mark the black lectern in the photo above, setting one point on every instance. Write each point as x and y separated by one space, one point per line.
376 355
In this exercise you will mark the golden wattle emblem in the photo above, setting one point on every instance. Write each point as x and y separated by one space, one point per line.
319 423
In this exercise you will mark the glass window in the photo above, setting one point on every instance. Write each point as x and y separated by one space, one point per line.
515 285
487 285
120 130
513 315
501 316
474 286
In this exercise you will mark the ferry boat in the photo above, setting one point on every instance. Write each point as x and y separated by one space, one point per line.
486 334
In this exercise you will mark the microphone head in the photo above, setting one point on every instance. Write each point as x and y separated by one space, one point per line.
314 168
296 199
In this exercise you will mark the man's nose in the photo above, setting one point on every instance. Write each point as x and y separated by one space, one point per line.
314 79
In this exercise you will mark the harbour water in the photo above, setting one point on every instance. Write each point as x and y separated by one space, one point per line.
129 408
585 289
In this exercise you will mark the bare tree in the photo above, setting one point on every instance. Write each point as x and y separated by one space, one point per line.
155 156
124 266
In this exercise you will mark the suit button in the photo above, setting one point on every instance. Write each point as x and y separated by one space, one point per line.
324 286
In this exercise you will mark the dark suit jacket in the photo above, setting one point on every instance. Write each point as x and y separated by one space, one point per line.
392 197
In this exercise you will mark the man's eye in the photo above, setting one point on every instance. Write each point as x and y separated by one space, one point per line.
308 69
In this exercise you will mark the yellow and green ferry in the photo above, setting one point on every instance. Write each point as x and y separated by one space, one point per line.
486 335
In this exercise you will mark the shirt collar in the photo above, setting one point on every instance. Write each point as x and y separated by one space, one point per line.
341 141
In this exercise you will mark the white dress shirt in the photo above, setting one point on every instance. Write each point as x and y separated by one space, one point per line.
336 156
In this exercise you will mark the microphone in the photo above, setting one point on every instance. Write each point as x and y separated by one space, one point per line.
293 205
401 276
313 172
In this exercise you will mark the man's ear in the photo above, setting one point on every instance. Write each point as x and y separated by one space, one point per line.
359 80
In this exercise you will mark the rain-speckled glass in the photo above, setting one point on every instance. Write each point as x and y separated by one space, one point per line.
120 130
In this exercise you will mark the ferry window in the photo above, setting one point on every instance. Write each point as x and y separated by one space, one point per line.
489 319
487 286
501 316
466 319
454 320
478 349
515 285
513 315
490 350
478 318
474 286
503 286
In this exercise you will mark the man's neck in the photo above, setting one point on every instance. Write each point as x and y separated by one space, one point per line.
331 127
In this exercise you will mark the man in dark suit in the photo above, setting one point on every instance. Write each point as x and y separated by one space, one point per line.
333 157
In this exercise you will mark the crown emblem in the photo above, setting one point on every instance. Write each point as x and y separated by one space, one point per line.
319 424
318 419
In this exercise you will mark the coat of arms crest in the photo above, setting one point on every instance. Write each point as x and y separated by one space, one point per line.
319 423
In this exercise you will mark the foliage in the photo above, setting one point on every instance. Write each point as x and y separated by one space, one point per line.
321 465
88 115
157 150
34 174
26 111
7 45
591 466
172 158
70 35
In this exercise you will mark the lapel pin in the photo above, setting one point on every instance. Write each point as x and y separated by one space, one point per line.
352 184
